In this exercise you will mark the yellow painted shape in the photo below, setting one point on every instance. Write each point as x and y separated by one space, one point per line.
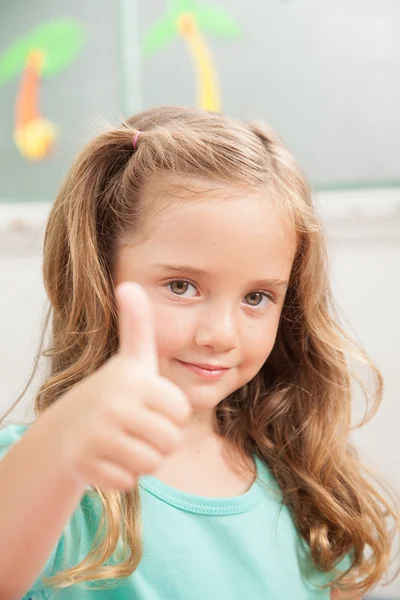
35 141
208 87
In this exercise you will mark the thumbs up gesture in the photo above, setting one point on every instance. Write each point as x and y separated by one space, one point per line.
121 421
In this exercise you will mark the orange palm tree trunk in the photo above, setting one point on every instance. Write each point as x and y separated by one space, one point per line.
33 135
27 105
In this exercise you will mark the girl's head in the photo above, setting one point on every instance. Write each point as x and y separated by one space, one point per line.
214 218
208 214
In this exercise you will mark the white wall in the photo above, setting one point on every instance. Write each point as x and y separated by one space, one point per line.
364 237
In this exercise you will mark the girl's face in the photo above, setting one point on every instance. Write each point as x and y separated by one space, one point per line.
216 272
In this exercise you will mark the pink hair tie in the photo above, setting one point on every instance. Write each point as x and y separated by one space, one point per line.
135 139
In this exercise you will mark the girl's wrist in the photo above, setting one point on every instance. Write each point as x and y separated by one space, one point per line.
50 438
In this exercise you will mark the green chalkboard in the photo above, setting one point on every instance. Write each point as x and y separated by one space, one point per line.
323 73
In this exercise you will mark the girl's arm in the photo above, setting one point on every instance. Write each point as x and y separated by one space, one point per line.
83 437
36 500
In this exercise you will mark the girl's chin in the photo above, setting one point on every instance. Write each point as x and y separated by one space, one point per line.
203 400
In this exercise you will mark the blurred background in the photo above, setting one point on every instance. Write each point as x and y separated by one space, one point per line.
323 73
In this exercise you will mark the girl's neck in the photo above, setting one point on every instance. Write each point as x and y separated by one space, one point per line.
205 466
200 428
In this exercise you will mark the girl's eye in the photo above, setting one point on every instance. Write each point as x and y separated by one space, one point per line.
179 287
255 299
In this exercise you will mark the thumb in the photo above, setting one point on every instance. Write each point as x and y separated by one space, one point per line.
136 324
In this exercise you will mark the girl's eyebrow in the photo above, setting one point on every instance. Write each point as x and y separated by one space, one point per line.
195 272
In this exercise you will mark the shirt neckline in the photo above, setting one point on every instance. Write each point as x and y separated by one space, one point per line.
205 505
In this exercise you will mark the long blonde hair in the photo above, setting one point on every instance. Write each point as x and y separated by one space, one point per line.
296 413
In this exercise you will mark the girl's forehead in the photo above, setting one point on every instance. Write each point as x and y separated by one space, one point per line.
231 231
243 214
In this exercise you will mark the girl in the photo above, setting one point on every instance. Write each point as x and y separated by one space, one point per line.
191 439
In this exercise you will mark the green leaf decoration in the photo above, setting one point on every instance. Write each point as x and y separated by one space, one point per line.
180 7
159 35
61 41
217 21
12 61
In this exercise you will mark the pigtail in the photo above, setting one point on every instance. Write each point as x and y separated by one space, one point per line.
78 256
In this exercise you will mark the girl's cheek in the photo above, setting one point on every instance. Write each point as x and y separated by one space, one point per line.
173 328
259 345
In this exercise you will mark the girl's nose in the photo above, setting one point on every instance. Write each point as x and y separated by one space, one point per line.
217 328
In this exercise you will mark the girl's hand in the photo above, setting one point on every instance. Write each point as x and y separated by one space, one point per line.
337 594
121 421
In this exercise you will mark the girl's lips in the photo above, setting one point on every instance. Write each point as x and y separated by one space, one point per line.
207 373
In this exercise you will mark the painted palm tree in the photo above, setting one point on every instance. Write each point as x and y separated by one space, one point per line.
190 19
47 51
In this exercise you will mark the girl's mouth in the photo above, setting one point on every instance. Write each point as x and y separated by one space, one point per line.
210 372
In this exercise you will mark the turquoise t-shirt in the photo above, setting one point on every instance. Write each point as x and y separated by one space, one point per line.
194 548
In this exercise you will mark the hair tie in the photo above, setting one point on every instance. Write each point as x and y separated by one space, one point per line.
135 139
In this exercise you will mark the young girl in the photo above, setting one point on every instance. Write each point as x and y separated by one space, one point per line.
191 440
